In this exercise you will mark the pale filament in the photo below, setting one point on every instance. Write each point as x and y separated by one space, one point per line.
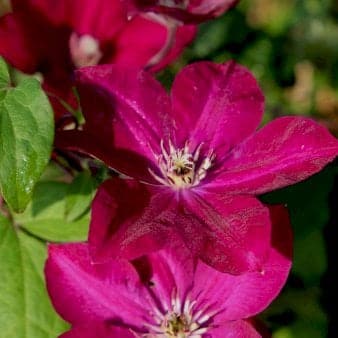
180 321
179 167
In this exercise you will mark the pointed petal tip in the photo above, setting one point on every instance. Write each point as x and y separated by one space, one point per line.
223 96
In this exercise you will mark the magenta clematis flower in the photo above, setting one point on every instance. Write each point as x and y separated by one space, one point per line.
184 10
196 160
56 37
164 294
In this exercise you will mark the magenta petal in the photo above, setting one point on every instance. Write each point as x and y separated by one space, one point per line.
171 270
210 103
285 151
16 46
184 34
197 11
98 330
236 329
247 294
54 12
129 219
82 291
235 231
82 141
139 42
210 8
82 16
133 107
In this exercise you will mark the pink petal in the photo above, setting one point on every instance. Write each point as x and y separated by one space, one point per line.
211 8
83 17
82 141
247 294
130 106
80 15
53 11
98 330
15 45
31 27
210 103
184 34
82 291
225 243
171 270
236 329
234 230
197 11
129 219
285 151
139 41
100 118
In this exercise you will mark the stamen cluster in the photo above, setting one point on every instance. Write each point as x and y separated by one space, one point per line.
182 168
180 321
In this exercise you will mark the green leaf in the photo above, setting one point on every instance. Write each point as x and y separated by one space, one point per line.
301 329
306 318
4 74
216 35
45 215
310 261
79 196
56 230
26 136
25 309
54 172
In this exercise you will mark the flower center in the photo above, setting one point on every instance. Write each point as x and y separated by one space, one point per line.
84 50
175 326
181 321
180 168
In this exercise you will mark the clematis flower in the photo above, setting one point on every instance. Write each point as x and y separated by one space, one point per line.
184 10
56 37
165 294
196 160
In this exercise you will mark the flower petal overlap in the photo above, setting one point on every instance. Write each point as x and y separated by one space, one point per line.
198 151
165 293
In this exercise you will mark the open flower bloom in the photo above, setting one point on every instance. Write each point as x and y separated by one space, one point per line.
56 37
184 10
164 294
196 160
